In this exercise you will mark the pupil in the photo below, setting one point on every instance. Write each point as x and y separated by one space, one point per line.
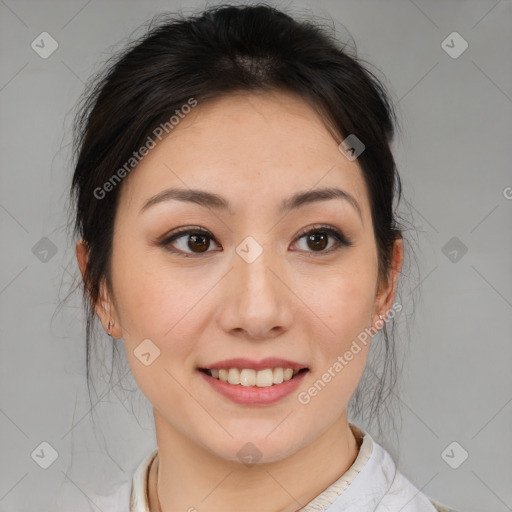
196 238
322 241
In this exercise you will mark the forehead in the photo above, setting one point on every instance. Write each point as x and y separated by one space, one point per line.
250 148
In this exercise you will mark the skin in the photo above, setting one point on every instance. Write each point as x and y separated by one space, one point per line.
294 302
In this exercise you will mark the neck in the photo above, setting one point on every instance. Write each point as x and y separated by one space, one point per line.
184 476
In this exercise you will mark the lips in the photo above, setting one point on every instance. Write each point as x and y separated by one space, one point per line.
254 395
250 382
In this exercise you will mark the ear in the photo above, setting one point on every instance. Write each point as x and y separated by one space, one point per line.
385 296
104 308
82 256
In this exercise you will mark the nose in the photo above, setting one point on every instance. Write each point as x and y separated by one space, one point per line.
256 303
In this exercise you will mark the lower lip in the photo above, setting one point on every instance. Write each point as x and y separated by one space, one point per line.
254 395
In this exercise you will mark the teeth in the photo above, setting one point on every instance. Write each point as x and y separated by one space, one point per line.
278 376
233 376
250 377
264 378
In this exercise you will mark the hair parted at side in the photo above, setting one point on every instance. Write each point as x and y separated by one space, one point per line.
222 50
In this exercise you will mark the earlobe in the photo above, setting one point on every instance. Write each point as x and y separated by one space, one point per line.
103 307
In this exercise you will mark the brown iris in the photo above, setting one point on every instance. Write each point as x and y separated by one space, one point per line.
319 240
201 242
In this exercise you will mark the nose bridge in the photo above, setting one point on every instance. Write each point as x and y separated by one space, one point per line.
258 299
252 265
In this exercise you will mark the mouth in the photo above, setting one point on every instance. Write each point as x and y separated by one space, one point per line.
250 377
250 383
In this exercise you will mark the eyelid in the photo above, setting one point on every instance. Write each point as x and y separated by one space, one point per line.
166 240
187 229
339 236
333 231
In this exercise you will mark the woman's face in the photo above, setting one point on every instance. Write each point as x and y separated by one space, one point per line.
252 285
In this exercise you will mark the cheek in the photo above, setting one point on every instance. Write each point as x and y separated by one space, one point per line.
346 304
348 316
158 303
352 309
341 354
346 300
153 304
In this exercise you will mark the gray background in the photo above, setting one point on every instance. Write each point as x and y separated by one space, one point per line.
454 155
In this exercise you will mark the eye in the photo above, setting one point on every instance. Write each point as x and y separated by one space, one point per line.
318 239
197 240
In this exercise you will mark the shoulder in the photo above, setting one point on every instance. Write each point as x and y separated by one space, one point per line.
410 498
403 492
139 491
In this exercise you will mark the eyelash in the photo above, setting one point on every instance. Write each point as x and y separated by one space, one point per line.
339 237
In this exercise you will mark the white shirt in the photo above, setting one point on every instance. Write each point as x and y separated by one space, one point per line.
372 484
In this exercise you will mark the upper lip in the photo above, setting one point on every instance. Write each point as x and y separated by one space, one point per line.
262 364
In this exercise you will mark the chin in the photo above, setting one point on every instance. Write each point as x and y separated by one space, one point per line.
258 448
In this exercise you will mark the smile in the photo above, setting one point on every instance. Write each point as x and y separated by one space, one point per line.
250 377
250 391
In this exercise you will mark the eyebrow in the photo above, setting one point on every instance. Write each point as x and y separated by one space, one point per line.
217 202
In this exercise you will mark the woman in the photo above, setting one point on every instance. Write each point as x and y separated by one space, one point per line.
234 190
